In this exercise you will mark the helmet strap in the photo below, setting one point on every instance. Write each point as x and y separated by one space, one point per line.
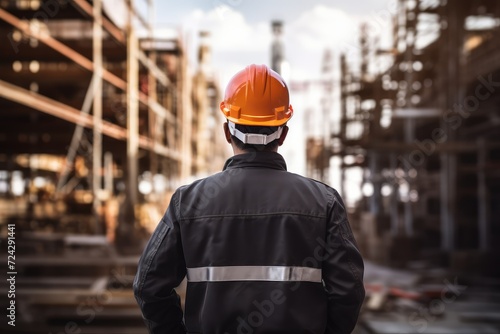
254 138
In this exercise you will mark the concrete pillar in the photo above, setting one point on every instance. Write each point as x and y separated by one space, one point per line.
482 197
375 179
394 199
450 74
408 212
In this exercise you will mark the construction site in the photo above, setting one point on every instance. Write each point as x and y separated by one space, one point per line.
424 133
102 120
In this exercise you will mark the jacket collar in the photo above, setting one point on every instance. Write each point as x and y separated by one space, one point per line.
271 160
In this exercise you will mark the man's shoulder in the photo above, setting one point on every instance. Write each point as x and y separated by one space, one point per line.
311 181
214 184
195 185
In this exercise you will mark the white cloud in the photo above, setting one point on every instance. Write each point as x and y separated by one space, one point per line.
236 43
315 31
323 26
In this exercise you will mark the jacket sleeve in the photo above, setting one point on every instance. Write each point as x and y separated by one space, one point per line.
161 269
342 270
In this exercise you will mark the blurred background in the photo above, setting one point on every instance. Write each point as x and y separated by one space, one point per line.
107 106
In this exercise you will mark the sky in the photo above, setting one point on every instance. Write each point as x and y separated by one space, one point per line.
241 29
240 34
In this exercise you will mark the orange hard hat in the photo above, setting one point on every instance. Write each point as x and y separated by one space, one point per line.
257 96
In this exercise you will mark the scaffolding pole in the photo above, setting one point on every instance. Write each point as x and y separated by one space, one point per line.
97 112
449 160
132 114
482 196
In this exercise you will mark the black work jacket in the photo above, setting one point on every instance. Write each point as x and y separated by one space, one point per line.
264 251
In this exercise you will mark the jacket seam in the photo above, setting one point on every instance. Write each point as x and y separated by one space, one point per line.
177 213
157 244
256 167
351 265
253 215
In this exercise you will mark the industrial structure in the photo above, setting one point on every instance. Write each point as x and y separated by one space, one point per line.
318 135
277 47
101 121
420 126
208 147
424 132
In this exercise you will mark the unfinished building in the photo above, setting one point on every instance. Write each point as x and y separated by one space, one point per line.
209 149
96 132
425 133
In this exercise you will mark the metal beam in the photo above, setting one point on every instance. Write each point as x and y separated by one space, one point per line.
108 174
155 70
60 110
132 115
77 58
107 24
138 15
159 110
159 149
416 112
410 128
77 136
152 91
97 112
451 71
375 200
120 36
394 212
60 47
448 230
482 196
186 119
56 108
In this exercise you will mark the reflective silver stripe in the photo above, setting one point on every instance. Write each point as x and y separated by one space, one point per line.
253 273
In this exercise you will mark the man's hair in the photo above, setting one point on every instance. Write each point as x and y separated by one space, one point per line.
263 130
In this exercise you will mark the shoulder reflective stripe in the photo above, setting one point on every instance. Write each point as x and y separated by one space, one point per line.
253 273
